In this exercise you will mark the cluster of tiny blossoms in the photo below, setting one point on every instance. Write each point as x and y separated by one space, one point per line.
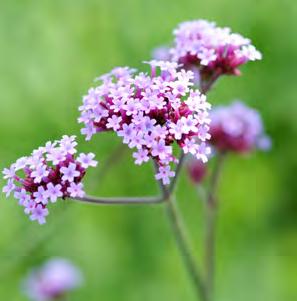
52 280
213 49
50 172
150 113
237 128
196 170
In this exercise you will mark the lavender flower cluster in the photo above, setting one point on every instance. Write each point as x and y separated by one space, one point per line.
50 172
234 128
212 48
150 113
237 128
52 280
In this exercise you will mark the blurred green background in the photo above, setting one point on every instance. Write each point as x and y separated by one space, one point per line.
50 53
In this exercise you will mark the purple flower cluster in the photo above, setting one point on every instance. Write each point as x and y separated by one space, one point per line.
50 172
150 113
237 128
209 50
52 280
196 170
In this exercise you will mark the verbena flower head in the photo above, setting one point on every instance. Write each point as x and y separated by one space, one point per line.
237 128
52 171
196 170
211 49
150 113
52 280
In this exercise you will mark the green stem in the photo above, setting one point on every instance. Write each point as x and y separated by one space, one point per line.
177 171
119 201
184 248
207 85
115 156
211 222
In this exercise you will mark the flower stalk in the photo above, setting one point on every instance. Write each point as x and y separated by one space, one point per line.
211 226
185 249
120 201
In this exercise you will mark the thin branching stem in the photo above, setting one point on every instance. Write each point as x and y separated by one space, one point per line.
185 249
120 201
177 172
178 231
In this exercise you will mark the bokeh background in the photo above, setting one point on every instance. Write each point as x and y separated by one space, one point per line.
49 55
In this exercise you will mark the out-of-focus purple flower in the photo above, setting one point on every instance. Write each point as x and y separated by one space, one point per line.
237 128
47 175
197 170
150 113
52 281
